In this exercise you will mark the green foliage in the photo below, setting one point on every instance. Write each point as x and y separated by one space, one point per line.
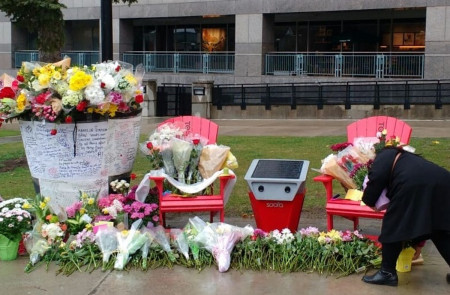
43 17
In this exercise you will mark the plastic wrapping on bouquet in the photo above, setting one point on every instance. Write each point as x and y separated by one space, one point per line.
83 156
277 191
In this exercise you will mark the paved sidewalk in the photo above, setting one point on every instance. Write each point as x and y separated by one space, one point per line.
424 279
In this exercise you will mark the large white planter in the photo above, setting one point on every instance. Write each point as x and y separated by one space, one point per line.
85 156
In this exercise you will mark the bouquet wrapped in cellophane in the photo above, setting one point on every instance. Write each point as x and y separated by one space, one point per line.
219 239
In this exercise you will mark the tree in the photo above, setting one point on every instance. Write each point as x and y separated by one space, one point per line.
45 18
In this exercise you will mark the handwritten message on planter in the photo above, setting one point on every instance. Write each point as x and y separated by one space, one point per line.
71 153
80 156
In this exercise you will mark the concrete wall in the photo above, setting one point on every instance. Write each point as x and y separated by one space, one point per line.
330 112
437 38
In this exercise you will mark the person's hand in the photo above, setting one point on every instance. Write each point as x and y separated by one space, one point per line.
375 209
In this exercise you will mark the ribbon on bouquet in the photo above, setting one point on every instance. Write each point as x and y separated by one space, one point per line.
144 185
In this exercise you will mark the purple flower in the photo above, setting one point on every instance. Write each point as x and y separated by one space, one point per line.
259 233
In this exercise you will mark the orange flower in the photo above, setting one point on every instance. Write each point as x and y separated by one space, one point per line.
63 226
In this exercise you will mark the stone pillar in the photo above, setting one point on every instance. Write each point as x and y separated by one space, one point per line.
202 98
149 104
254 38
437 41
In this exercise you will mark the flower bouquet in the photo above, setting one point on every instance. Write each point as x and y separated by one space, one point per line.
106 240
60 93
124 207
81 213
128 243
219 239
188 164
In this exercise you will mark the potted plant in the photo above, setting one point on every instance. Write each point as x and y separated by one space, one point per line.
14 221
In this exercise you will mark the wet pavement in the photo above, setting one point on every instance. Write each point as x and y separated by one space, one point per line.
428 278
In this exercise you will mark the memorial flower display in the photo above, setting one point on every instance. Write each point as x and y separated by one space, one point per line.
59 92
200 244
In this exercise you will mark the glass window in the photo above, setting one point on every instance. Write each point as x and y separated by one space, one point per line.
323 34
361 36
285 39
186 38
302 37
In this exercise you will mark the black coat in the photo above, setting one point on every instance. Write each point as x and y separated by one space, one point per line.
419 193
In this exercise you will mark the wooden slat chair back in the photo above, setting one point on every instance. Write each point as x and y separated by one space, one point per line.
367 127
213 203
197 125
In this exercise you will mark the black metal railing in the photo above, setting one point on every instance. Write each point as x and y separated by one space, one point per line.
376 93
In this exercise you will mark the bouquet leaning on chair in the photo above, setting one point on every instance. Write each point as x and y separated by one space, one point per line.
189 164
352 162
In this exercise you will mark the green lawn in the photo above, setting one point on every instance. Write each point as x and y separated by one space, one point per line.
17 182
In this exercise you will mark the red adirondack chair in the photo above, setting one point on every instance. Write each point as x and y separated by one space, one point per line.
367 127
213 203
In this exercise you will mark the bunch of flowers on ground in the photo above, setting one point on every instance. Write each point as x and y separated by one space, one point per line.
75 226
60 93
201 244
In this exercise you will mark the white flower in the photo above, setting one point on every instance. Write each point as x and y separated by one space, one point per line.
86 218
109 81
94 94
19 218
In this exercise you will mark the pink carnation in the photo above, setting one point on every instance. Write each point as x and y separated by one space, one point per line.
73 209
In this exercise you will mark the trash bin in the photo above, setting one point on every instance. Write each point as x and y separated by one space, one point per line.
277 191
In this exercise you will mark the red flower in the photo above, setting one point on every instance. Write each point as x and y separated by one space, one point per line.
68 119
139 98
133 176
7 92
20 78
149 145
196 141
117 68
41 98
340 146
81 106
102 85
53 131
